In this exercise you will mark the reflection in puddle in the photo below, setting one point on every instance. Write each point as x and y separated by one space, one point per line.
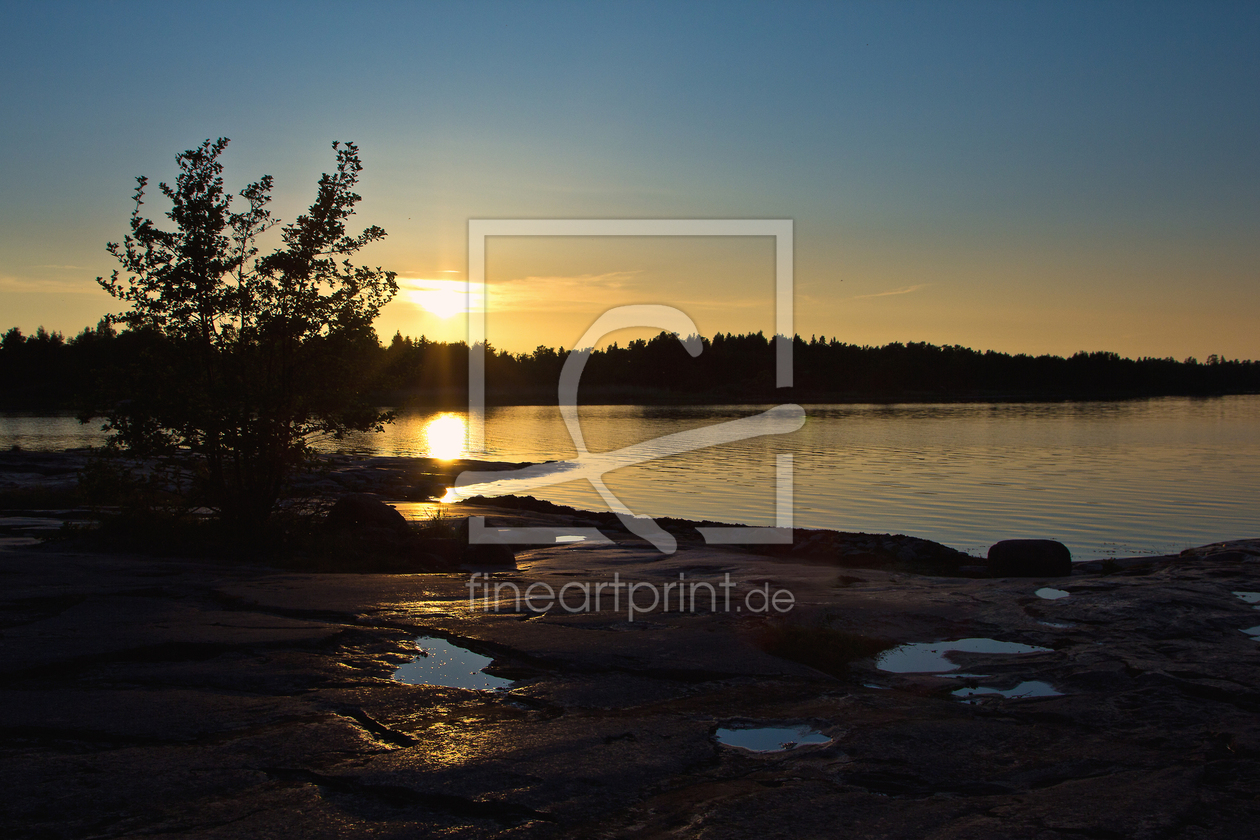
929 657
771 739
1051 594
1251 598
442 663
1032 688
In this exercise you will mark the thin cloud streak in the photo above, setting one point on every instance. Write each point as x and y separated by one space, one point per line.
907 290
563 293
10 283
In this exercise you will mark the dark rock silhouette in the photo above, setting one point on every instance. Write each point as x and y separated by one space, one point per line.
366 512
379 538
1029 558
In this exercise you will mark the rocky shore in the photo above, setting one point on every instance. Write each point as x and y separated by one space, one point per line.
214 698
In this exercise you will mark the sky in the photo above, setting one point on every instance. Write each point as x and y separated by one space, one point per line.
1023 177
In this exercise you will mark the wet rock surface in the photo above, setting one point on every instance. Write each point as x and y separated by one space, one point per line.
165 697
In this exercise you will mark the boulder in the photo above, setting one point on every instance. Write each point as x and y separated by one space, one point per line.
449 551
369 532
481 554
364 511
1029 558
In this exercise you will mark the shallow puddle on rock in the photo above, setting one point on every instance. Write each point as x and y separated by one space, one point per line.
1051 594
929 657
771 738
18 542
1250 597
443 663
1253 631
1032 688
30 523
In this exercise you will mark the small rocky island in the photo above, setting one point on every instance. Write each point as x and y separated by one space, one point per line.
220 696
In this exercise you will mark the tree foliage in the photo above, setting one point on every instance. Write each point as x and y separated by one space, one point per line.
245 357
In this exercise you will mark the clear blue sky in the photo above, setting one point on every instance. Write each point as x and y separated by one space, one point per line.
1040 177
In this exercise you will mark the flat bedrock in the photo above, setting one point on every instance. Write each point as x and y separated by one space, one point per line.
154 696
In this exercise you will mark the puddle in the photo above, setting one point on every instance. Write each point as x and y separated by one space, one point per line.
1032 688
30 523
1051 594
770 738
445 664
570 538
929 657
1251 598
1057 625
18 542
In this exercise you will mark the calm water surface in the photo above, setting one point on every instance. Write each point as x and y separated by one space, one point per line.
1106 478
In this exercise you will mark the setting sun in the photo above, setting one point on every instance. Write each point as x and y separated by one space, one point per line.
446 437
443 298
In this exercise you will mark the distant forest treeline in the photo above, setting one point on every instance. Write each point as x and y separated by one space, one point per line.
47 371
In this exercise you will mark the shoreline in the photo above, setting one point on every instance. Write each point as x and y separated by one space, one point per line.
48 479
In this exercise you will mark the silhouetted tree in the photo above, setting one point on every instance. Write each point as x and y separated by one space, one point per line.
244 359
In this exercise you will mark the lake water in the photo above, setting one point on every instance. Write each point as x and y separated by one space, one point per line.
1106 478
